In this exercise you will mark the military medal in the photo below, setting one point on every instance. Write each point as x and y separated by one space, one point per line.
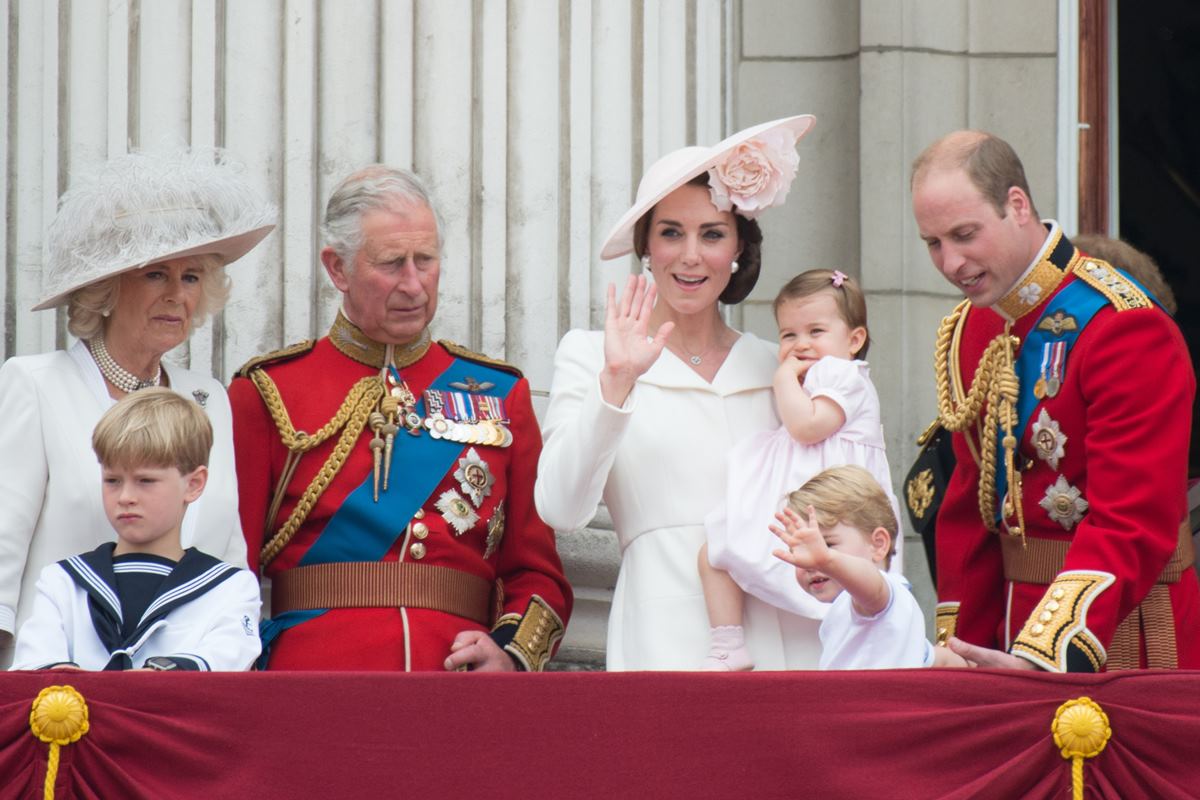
466 418
1064 503
1058 362
1054 358
474 476
456 511
399 390
1048 439
436 422
495 530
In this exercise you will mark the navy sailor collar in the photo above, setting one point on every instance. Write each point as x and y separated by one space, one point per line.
195 574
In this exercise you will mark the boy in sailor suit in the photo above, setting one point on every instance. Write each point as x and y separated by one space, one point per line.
144 602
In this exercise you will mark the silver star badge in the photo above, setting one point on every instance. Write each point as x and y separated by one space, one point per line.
1050 441
456 511
474 476
1064 503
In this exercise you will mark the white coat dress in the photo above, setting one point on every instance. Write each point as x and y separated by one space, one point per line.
660 464
50 479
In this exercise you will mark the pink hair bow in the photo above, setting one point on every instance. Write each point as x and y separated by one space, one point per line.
839 278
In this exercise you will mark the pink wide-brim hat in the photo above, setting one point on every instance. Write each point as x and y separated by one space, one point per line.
680 166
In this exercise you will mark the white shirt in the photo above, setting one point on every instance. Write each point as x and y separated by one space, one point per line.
893 638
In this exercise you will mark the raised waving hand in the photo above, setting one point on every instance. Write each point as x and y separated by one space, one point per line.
628 349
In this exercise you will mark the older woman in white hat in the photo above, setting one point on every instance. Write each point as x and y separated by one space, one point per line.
644 413
137 254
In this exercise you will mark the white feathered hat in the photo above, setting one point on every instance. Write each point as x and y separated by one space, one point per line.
146 208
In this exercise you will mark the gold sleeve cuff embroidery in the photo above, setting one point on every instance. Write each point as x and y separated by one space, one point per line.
536 636
945 621
1060 621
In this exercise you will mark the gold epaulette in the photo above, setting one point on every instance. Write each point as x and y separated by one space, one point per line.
471 355
1104 278
282 354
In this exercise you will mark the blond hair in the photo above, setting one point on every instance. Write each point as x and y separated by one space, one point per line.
851 303
848 495
154 427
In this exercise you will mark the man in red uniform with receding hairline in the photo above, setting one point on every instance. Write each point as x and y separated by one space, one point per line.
1059 539
386 480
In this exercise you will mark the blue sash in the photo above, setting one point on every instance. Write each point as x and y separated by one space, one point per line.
1081 301
364 530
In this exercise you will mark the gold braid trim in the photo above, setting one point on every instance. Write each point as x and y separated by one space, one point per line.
350 419
996 386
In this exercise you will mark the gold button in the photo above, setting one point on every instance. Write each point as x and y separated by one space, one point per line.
417 550
1045 616
420 514
1058 594
1052 606
420 530
1036 630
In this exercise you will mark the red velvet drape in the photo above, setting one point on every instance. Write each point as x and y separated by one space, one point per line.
887 734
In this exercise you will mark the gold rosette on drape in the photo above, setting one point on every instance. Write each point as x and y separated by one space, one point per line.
59 717
1081 730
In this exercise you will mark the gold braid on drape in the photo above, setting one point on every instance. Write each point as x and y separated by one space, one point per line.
993 393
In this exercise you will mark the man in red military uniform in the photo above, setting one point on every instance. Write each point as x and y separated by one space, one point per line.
1059 540
385 480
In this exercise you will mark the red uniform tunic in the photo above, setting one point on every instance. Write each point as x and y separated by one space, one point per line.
523 564
1116 432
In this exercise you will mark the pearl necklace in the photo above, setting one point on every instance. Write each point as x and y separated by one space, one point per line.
117 375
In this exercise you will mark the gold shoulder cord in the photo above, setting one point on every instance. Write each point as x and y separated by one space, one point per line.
995 384
350 419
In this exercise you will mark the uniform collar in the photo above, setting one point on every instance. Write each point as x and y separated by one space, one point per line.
350 341
1048 269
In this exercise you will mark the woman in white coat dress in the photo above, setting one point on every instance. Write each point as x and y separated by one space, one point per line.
643 414
136 253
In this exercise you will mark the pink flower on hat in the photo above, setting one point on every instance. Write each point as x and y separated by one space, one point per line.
755 174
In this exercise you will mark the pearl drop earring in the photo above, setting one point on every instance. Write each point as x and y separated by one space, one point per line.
733 267
646 262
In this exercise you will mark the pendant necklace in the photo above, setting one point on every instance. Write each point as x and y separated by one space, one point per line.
694 357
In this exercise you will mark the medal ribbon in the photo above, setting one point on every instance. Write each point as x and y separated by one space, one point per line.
363 530
1044 352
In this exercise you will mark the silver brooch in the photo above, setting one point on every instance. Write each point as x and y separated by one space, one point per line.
1050 441
201 397
1064 503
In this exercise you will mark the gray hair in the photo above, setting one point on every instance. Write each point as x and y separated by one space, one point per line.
371 188
89 307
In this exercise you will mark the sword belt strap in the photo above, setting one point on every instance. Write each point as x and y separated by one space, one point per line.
1040 560
382 584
